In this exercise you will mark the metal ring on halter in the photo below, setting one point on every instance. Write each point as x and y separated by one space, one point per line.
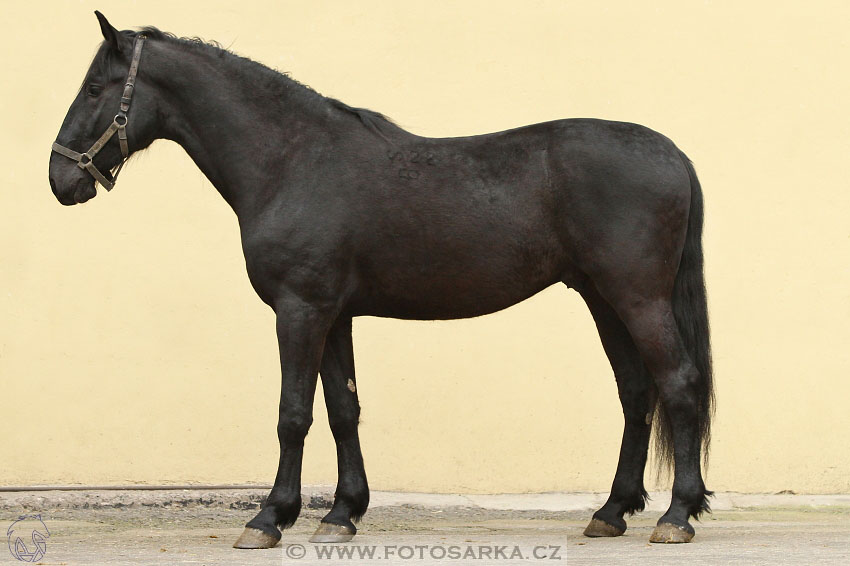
117 123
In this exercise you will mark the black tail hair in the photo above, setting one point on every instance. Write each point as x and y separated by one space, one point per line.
691 313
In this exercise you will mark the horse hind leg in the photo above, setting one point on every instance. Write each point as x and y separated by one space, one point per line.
653 328
637 396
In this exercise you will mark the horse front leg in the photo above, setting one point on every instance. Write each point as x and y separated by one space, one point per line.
301 330
352 491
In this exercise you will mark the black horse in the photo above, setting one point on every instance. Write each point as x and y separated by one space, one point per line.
344 214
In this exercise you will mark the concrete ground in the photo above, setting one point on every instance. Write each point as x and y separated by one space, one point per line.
199 527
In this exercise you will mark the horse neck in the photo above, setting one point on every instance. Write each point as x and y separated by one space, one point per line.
238 129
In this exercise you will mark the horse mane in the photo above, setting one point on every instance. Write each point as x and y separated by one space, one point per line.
267 78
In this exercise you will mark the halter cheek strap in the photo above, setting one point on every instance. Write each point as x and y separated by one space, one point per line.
119 125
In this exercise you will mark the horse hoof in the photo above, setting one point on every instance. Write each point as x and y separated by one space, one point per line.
599 528
672 534
330 533
255 538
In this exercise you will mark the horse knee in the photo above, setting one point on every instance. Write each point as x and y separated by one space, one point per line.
679 389
293 427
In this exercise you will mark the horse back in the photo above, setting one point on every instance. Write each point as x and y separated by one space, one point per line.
473 225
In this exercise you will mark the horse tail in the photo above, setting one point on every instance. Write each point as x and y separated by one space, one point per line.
691 313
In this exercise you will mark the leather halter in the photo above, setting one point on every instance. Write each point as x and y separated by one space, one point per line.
119 125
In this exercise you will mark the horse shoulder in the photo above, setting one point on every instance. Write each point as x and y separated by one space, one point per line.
286 255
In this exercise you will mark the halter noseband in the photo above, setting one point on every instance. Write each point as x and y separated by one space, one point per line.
119 124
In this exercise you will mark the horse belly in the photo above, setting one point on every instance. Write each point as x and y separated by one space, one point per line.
466 276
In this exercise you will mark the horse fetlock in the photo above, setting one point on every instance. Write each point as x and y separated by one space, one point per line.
350 504
701 504
692 497
279 511
635 503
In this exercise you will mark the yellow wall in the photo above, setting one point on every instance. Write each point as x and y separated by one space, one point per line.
133 348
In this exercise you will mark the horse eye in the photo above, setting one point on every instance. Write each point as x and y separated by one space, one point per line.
93 90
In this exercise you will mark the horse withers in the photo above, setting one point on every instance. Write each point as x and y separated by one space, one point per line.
344 214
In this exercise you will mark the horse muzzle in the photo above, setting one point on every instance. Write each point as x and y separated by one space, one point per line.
70 185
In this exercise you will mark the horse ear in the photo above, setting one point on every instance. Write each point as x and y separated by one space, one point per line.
110 34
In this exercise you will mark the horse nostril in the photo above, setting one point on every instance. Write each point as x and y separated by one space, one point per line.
53 185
